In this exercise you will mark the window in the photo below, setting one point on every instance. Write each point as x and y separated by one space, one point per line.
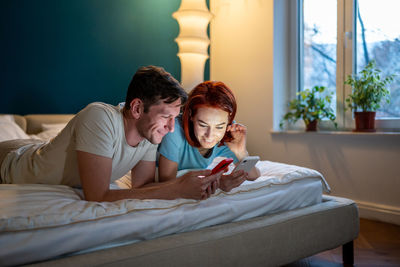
319 51
339 37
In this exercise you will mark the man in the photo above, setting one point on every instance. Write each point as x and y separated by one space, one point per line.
103 142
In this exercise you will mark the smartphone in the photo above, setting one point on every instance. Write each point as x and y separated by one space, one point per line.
247 163
221 165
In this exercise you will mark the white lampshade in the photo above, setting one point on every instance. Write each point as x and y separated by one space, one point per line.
193 18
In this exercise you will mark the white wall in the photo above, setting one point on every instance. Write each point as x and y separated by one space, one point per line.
241 55
245 55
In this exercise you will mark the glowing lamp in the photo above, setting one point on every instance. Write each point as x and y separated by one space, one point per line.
193 18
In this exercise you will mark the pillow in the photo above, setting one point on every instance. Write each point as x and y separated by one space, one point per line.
53 126
7 118
10 130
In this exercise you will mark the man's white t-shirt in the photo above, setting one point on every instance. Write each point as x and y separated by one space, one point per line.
97 129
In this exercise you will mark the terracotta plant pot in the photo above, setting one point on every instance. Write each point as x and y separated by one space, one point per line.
312 126
365 121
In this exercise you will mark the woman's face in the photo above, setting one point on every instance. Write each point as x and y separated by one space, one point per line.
210 126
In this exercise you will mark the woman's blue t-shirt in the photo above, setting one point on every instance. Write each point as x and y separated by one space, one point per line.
175 147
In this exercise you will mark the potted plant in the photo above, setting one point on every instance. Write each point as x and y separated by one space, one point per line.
310 106
368 90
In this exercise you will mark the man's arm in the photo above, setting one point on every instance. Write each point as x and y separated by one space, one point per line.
143 173
167 169
95 173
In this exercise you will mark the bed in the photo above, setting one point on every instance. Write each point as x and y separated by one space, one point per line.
281 217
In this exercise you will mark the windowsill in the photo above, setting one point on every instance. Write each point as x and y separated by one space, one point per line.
297 132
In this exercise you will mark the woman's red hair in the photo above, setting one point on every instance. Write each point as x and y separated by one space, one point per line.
208 94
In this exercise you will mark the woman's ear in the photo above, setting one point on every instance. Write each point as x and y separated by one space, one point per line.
137 108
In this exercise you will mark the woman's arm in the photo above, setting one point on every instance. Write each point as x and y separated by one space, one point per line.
238 147
167 169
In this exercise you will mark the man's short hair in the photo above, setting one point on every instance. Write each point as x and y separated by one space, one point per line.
152 84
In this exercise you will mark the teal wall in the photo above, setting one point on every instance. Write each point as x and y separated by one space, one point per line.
56 56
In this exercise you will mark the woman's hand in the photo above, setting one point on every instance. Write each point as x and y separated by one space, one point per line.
238 144
230 181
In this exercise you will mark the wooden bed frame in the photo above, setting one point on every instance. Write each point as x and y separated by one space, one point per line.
270 240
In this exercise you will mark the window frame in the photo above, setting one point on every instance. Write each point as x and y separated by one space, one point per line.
345 63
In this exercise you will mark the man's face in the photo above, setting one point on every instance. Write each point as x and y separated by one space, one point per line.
158 121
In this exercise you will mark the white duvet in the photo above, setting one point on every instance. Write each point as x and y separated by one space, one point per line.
39 222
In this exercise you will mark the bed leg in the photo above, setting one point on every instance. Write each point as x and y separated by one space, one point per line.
348 253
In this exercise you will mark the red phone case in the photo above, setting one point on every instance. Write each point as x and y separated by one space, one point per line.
221 165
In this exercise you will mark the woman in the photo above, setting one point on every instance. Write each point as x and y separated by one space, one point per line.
206 130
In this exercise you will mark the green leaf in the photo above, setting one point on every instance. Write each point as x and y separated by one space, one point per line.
369 89
310 105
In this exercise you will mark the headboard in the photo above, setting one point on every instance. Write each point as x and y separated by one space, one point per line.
32 123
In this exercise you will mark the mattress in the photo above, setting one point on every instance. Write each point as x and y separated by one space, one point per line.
40 222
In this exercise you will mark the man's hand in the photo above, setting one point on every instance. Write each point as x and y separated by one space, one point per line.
230 181
199 184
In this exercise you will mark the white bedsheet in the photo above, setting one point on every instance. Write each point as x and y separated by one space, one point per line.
39 222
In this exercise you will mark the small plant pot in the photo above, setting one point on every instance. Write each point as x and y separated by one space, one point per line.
365 121
312 126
